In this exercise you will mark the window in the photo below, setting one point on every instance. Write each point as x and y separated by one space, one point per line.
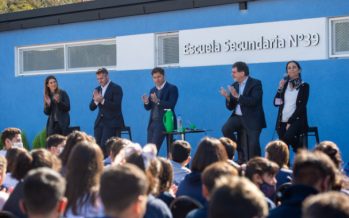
339 37
48 58
92 55
167 49
66 57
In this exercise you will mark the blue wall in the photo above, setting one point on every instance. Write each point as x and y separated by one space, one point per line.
200 102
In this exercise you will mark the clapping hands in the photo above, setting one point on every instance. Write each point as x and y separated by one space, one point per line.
232 91
97 96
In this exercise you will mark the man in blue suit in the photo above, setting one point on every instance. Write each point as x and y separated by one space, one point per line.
244 98
163 96
107 97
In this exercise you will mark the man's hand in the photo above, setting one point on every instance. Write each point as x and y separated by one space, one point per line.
154 98
97 96
145 99
233 92
224 93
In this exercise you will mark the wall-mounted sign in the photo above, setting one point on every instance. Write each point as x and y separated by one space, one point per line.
254 43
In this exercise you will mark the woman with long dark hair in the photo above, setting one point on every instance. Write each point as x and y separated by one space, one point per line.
292 98
209 151
85 166
57 107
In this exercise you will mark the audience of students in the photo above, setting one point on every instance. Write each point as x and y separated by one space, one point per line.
74 182
313 173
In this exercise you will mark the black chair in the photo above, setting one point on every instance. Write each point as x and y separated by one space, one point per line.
127 130
72 129
312 131
182 205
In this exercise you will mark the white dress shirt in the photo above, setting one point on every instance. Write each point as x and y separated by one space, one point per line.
241 90
290 101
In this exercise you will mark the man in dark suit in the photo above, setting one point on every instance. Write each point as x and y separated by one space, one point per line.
163 96
107 97
245 100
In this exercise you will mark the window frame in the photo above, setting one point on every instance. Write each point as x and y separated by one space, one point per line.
166 34
19 58
331 22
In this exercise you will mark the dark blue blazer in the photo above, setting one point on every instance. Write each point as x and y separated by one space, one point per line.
109 113
168 99
250 103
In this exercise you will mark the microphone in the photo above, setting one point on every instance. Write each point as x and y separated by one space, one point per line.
286 77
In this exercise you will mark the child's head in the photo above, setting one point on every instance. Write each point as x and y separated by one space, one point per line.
43 193
123 191
262 172
55 143
213 172
277 151
180 151
230 146
236 197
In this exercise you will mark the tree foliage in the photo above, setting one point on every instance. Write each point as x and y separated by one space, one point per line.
8 6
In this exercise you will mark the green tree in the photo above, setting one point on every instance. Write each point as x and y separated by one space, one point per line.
3 6
40 140
8 6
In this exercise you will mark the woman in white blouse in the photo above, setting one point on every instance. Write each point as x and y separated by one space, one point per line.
291 98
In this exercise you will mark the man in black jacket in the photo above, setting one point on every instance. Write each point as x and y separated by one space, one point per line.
163 96
244 98
107 97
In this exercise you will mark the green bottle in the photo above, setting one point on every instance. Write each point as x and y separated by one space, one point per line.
168 120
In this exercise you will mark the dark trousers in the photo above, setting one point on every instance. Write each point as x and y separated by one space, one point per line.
247 141
156 134
55 129
291 135
102 133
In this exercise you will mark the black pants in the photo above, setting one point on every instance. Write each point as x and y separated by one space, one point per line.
55 129
102 133
291 136
248 140
156 134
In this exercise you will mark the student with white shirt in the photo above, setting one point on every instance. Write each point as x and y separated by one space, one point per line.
179 158
107 98
292 98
